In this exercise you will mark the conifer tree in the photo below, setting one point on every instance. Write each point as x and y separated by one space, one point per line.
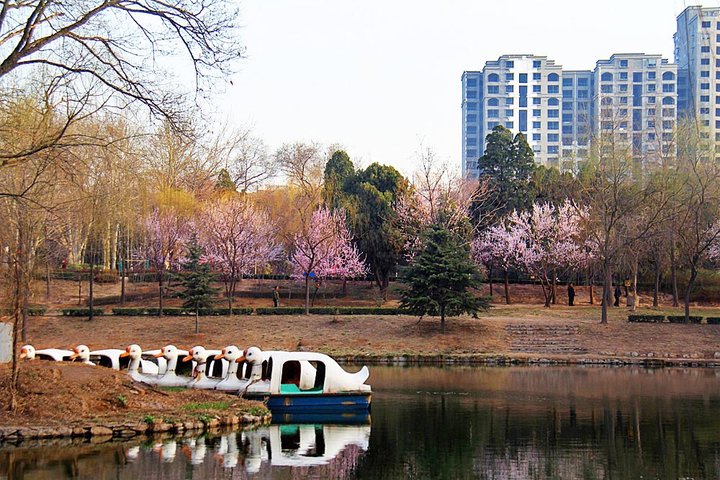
196 279
441 278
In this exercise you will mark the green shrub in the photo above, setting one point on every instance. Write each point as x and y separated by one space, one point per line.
33 311
129 311
713 320
81 312
280 311
681 319
646 318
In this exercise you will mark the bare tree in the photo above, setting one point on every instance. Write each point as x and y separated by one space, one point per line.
106 49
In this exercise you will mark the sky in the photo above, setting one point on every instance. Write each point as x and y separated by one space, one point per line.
382 77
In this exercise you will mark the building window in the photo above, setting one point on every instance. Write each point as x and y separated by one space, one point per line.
567 117
536 76
623 75
471 118
493 113
668 76
637 77
509 89
705 98
553 149
471 142
537 137
509 125
624 87
704 110
706 74
554 102
471 130
668 124
567 94
493 102
493 89
582 94
651 87
668 112
705 49
651 112
537 64
523 78
704 86
651 137
651 76
567 106
472 94
651 124
536 88
567 82
567 129
623 100
553 137
606 88
509 64
704 61
536 125
509 101
493 77
537 101
706 24
553 77
471 82
553 126
471 153
650 100
523 120
553 113
537 113
582 82
606 77
509 77
623 63
509 113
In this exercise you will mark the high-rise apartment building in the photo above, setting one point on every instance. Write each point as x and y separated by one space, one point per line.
697 54
635 106
630 99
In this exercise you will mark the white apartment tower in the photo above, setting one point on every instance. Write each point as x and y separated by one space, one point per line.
697 54
635 106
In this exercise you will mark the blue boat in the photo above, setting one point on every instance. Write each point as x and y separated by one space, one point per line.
305 382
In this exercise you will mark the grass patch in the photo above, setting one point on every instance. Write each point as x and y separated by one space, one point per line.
206 406
172 389
258 411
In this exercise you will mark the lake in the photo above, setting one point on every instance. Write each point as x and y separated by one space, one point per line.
442 422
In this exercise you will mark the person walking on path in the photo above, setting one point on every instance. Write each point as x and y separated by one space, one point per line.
618 292
276 296
571 294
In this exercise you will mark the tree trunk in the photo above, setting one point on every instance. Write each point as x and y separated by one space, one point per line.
554 287
691 281
507 287
607 287
656 287
591 278
197 320
673 276
122 283
91 299
16 327
547 292
47 280
160 285
79 276
307 294
636 297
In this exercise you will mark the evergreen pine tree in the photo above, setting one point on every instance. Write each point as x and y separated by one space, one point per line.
441 277
196 279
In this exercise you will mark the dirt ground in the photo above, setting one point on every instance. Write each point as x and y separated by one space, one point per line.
69 393
491 334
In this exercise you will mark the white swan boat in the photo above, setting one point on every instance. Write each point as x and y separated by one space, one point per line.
28 352
305 381
208 371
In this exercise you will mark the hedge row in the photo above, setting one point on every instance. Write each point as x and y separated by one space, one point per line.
31 311
671 319
175 311
81 312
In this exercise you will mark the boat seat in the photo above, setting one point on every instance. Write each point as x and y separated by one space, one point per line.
292 388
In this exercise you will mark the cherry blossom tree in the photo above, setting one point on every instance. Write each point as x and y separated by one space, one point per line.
236 237
167 232
323 249
547 238
497 247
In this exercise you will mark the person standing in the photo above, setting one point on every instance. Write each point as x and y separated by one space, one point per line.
276 296
571 294
618 292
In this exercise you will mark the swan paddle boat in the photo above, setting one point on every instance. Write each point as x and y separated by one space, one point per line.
138 368
171 378
82 352
232 382
208 371
28 352
306 382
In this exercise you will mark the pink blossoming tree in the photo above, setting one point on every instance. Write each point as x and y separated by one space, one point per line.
497 247
167 232
323 249
236 238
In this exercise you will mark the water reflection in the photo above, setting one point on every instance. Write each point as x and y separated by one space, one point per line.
427 422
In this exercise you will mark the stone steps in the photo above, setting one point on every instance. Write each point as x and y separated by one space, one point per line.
559 339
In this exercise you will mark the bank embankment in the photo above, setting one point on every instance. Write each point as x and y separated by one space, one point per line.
75 400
